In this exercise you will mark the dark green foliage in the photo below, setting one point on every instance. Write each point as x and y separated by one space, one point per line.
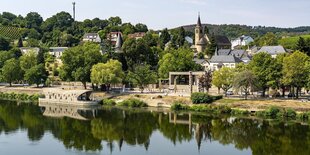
108 102
19 97
4 44
132 103
198 98
179 106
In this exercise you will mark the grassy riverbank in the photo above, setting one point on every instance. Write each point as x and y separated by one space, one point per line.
19 97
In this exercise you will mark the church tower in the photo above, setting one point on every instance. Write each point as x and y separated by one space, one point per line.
198 31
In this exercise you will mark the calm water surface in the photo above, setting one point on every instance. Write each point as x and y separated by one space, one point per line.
32 130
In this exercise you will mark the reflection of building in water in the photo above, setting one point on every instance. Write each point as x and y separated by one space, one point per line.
73 97
201 130
185 119
65 110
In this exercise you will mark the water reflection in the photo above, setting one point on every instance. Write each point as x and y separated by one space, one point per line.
115 127
66 110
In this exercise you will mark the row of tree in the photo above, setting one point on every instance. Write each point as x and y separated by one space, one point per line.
286 71
27 68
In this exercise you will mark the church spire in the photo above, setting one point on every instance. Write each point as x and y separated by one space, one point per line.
199 21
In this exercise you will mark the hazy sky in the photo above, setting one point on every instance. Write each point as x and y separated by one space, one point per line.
158 14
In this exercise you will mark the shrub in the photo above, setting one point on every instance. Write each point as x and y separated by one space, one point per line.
288 113
179 106
198 98
108 102
223 110
19 97
133 103
217 97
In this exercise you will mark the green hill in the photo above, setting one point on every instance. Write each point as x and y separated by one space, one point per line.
290 42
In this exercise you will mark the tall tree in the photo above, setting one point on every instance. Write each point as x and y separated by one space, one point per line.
11 71
303 46
224 78
164 36
36 75
141 27
261 68
245 81
4 44
107 73
211 47
78 61
296 70
28 60
33 20
177 60
142 76
137 52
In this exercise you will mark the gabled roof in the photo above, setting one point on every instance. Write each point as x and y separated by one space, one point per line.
202 41
58 49
200 61
223 52
90 35
225 59
272 50
238 53
222 40
136 35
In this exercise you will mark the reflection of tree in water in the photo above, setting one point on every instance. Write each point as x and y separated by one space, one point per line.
135 128
117 127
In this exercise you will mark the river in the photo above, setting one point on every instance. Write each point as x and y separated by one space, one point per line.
31 130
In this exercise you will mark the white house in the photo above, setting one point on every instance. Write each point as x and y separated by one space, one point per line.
219 61
92 37
26 50
241 41
57 51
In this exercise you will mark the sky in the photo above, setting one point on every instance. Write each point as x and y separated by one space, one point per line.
159 14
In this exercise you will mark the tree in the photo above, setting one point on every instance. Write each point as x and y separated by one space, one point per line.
275 78
296 70
261 67
16 51
177 61
211 47
115 21
28 60
33 20
36 75
142 76
141 27
4 44
269 39
224 78
245 81
164 37
107 73
11 71
303 46
137 52
78 61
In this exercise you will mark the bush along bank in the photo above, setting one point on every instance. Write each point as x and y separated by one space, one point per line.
132 103
270 113
199 98
19 97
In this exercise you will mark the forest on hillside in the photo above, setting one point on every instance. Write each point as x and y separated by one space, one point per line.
234 30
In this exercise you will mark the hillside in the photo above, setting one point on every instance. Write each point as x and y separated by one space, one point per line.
234 31
290 42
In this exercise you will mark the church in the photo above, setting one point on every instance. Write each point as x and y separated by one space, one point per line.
202 39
